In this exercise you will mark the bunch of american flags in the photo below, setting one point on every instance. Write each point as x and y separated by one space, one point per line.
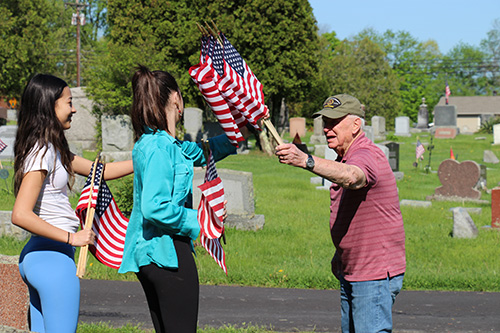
229 86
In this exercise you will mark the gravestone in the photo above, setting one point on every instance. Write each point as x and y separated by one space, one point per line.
402 125
7 228
117 138
496 134
482 182
193 122
490 157
458 179
463 225
445 122
423 116
369 132
297 126
282 124
318 136
83 122
384 149
415 203
378 125
393 155
11 115
14 297
8 136
238 191
495 207
331 155
319 150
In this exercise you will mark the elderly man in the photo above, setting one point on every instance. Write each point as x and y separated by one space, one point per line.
365 223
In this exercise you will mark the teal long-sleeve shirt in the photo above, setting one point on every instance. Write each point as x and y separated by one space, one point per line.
163 177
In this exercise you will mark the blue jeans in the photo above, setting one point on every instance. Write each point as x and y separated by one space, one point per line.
367 306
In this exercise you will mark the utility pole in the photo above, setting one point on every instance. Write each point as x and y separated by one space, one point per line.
78 6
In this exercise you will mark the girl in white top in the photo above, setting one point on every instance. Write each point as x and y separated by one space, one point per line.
44 167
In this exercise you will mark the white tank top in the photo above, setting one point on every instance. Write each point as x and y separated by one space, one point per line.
53 204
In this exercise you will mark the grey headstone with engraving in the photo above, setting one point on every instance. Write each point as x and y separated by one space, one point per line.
117 138
423 115
490 157
7 228
318 136
445 115
331 155
238 191
369 132
463 225
11 115
402 126
193 122
83 122
496 134
378 125
8 136
393 155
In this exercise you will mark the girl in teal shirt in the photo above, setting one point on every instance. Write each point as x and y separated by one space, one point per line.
158 244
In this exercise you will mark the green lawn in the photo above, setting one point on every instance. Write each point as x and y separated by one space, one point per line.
294 248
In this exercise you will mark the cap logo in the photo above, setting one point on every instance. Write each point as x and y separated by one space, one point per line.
332 103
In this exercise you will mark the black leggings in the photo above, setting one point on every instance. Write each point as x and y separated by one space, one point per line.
173 294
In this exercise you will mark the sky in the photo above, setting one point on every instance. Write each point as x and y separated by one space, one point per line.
448 22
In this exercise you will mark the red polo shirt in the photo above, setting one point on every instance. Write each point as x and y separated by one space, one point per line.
366 224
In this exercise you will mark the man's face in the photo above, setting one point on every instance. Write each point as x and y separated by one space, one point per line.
339 133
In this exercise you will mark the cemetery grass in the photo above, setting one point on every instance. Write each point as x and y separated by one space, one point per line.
294 249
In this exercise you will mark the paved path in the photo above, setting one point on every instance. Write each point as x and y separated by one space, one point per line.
294 310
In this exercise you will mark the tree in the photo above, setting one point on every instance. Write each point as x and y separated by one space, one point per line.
27 40
413 62
361 70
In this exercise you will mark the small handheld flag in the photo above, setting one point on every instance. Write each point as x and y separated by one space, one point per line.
98 210
210 212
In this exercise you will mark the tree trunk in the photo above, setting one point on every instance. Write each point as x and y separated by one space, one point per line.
265 143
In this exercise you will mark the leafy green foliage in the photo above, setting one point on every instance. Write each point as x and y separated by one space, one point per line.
27 39
362 71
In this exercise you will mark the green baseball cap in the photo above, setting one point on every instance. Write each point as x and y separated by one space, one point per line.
340 105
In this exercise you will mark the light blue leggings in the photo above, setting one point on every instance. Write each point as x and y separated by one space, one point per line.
48 268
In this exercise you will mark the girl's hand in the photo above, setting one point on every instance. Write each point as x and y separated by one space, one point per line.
82 238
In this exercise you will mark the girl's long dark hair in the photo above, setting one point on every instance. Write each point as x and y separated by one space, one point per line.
151 94
38 124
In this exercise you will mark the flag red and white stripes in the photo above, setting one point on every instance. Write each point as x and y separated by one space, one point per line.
110 226
210 213
420 150
3 145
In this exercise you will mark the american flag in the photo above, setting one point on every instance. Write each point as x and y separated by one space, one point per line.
206 77
210 213
447 92
420 150
3 145
110 226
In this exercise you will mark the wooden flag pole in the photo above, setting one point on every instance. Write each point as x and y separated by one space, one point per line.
273 131
89 219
